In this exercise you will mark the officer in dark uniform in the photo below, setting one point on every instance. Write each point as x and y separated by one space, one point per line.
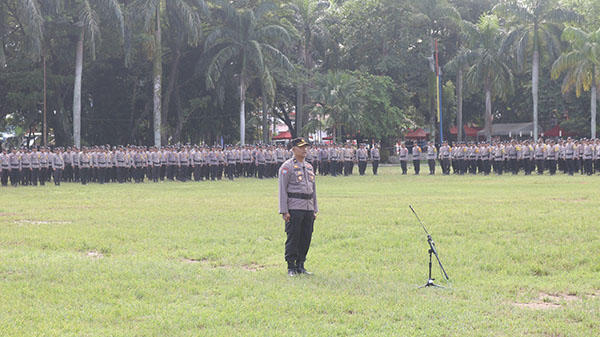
297 205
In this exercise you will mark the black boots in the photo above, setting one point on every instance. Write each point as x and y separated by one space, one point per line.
300 269
291 268
297 269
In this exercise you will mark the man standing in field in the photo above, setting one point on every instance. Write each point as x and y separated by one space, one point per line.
297 205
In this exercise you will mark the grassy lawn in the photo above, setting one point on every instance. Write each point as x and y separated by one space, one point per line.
206 259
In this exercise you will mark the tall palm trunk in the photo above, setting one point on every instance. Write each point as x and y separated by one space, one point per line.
535 69
157 76
593 108
300 92
459 93
77 90
242 110
166 98
265 124
488 113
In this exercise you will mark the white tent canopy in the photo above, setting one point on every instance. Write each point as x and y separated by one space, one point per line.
510 130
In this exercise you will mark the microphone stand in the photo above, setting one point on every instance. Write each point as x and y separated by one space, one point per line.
432 251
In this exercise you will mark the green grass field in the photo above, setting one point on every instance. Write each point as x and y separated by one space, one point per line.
206 259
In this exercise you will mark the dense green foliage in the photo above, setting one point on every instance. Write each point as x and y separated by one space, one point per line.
205 69
206 259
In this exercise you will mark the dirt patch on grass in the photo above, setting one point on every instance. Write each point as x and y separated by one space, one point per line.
95 254
39 222
11 243
570 200
7 214
193 260
254 267
537 306
548 301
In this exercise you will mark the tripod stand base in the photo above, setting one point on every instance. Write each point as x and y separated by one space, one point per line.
431 284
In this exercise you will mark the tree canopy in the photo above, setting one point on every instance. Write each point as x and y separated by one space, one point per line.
160 72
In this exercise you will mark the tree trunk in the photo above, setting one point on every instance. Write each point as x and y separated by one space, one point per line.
157 76
488 114
593 108
77 90
300 94
131 113
534 90
173 78
265 122
242 111
459 93
181 118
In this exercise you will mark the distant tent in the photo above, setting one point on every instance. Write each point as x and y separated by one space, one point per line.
510 130
468 131
416 134
557 131
283 135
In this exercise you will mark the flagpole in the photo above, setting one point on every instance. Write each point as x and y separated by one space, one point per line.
438 76
439 92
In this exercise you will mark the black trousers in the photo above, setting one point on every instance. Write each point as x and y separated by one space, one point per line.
84 175
26 176
498 167
68 172
183 173
473 166
57 176
417 166
514 168
551 165
431 163
333 168
540 166
35 174
5 174
299 233
375 166
171 172
15 176
324 169
44 175
487 167
213 172
445 164
347 167
362 167
404 166
588 166
230 171
205 171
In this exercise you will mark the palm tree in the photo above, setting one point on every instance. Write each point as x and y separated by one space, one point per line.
31 23
459 63
242 46
313 35
339 103
537 31
88 21
489 68
582 66
188 17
